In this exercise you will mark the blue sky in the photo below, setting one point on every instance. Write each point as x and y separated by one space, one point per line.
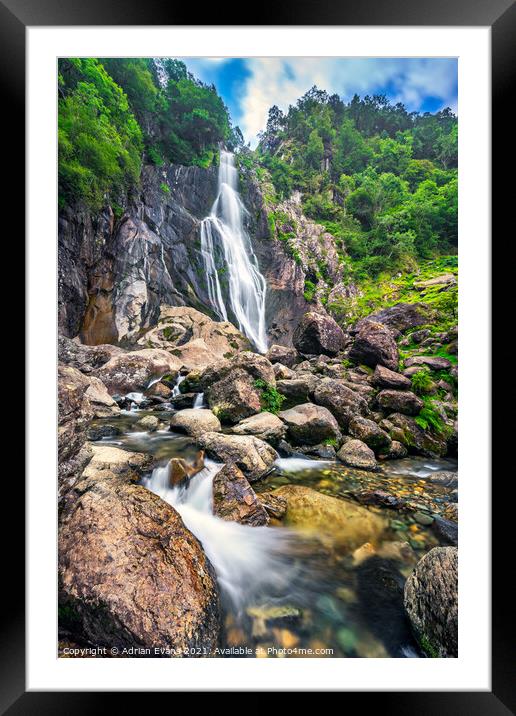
249 86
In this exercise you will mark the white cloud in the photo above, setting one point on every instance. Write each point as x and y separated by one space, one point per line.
282 81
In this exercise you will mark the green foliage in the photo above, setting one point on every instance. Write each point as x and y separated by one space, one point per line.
164 188
422 382
429 418
99 139
331 442
104 106
384 178
309 291
270 400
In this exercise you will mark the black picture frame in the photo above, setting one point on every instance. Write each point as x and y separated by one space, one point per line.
500 15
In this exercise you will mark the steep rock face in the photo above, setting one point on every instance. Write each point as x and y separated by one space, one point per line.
114 275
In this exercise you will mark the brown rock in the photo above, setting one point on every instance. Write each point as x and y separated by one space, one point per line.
265 426
373 344
235 500
369 432
400 401
180 471
310 424
133 371
340 399
282 354
275 505
431 602
317 333
251 455
195 422
131 574
355 453
385 378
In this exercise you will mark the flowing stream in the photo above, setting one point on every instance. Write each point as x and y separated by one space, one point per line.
229 261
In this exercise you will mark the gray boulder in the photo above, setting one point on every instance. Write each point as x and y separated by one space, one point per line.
310 424
317 333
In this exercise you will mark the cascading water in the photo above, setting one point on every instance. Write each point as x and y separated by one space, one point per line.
246 287
250 562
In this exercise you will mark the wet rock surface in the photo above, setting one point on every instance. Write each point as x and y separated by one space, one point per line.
234 499
431 601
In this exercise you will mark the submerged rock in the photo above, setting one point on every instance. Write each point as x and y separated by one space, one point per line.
373 344
431 601
131 574
148 422
195 422
317 333
337 520
355 453
180 470
235 500
250 454
310 424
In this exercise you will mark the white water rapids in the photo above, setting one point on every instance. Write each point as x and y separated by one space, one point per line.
250 562
223 236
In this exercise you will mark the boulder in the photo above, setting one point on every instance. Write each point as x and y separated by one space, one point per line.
446 530
133 371
335 520
275 505
250 454
282 354
310 424
446 478
75 414
374 343
385 378
84 358
395 451
131 574
431 602
298 390
149 423
447 279
405 430
356 453
235 500
265 426
183 401
230 387
110 462
281 372
317 334
341 400
180 470
433 362
369 432
400 401
195 421
401 316
193 337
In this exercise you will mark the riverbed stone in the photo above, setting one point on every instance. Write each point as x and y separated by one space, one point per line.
310 424
235 500
356 453
335 520
370 433
133 371
431 602
131 574
233 388
250 454
195 422
264 425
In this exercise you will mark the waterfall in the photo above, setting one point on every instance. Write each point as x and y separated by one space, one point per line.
224 229
249 561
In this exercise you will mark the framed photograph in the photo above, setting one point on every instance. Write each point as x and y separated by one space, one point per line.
256 257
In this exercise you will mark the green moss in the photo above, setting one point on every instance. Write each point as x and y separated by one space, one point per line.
164 188
422 383
428 647
332 442
270 400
